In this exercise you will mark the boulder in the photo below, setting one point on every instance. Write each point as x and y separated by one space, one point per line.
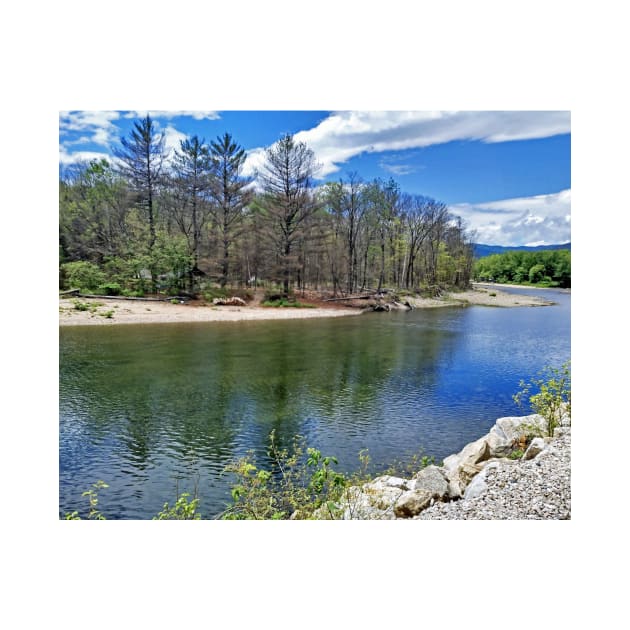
512 427
380 484
433 480
370 503
411 503
536 446
459 469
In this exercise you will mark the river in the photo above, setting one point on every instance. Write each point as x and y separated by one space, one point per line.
153 410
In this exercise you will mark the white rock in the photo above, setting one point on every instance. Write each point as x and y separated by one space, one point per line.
537 445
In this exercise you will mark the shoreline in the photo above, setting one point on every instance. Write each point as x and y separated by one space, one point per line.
125 312
141 312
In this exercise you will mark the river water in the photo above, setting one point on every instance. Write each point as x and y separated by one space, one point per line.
158 409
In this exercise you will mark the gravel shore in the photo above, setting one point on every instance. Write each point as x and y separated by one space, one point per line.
519 490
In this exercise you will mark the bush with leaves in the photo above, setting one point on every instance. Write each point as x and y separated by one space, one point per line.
183 510
83 275
300 482
549 396
92 495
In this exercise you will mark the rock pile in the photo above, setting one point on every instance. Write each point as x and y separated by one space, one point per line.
479 482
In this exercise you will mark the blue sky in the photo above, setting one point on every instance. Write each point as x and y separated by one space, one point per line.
506 173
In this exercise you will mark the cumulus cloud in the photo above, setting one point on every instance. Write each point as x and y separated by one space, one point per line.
537 220
77 157
173 139
344 135
98 126
168 114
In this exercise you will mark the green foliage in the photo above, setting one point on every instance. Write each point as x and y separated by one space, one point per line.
93 512
183 510
92 307
83 275
109 288
131 293
549 395
551 268
300 482
409 466
286 303
516 454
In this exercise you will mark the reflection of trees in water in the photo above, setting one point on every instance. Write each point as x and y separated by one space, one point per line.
198 397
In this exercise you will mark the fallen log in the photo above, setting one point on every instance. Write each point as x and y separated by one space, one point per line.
350 297
140 299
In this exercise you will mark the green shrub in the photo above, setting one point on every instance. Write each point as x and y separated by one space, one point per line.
92 495
83 275
132 293
299 483
110 288
183 510
552 397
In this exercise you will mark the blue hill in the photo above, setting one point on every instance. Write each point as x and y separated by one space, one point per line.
481 250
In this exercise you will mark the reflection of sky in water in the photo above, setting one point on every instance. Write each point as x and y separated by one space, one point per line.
150 409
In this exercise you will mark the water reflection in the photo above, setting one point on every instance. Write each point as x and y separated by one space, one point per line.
144 406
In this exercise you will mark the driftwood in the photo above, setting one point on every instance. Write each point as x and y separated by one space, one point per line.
348 297
179 298
229 301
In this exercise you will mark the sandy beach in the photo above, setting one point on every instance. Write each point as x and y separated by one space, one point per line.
108 312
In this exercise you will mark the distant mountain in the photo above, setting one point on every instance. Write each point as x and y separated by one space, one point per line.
482 250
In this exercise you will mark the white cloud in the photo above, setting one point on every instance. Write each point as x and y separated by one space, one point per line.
77 157
541 219
172 139
254 162
168 114
97 123
344 135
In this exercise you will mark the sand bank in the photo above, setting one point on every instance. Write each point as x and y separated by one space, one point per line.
144 312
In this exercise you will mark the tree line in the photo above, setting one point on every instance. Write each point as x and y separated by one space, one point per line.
551 268
149 221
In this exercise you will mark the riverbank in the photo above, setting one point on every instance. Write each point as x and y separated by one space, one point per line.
140 312
480 295
497 477
106 312
536 489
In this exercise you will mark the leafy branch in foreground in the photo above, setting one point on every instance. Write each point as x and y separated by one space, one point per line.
300 481
183 510
553 395
92 494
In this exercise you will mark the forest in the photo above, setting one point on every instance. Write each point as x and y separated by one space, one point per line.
550 268
148 222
